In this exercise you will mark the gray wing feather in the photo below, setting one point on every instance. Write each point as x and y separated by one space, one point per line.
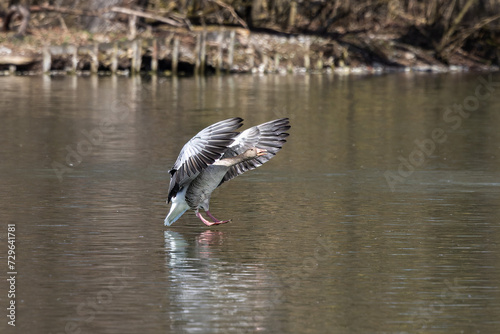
201 151
270 136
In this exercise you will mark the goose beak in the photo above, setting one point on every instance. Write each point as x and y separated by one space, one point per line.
261 152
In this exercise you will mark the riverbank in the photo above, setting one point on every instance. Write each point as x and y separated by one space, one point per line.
214 49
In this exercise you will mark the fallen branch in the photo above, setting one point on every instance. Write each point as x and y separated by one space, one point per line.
121 10
17 60
145 15
231 10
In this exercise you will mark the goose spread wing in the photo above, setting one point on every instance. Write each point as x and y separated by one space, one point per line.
202 150
269 136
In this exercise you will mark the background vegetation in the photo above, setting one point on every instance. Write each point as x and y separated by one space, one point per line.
443 26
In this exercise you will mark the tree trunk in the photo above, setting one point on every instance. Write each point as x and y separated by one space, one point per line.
293 14
258 11
97 24
20 8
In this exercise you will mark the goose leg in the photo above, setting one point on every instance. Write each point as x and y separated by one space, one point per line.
208 223
216 220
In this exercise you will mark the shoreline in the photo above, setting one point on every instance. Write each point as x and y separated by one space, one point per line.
216 50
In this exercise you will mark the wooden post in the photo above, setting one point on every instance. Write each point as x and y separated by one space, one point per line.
168 43
175 56
154 56
265 61
319 63
231 50
251 59
218 63
276 62
12 69
136 56
74 58
197 59
307 59
133 61
94 65
139 55
114 58
203 52
47 60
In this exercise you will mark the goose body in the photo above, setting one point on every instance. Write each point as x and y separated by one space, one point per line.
217 154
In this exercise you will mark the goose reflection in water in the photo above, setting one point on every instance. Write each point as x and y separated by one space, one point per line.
207 294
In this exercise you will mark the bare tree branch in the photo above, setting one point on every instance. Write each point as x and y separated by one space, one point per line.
122 10
232 11
446 37
139 13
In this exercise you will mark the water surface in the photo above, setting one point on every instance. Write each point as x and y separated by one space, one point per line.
364 223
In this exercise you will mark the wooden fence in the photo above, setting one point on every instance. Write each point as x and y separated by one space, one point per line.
200 52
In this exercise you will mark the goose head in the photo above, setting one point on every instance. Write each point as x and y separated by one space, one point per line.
254 152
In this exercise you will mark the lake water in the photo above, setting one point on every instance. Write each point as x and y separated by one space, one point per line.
380 215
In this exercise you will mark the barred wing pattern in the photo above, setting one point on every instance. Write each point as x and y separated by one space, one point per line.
202 150
270 136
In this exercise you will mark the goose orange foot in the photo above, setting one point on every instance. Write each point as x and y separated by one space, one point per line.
209 223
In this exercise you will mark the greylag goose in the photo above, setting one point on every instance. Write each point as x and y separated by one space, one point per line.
217 154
